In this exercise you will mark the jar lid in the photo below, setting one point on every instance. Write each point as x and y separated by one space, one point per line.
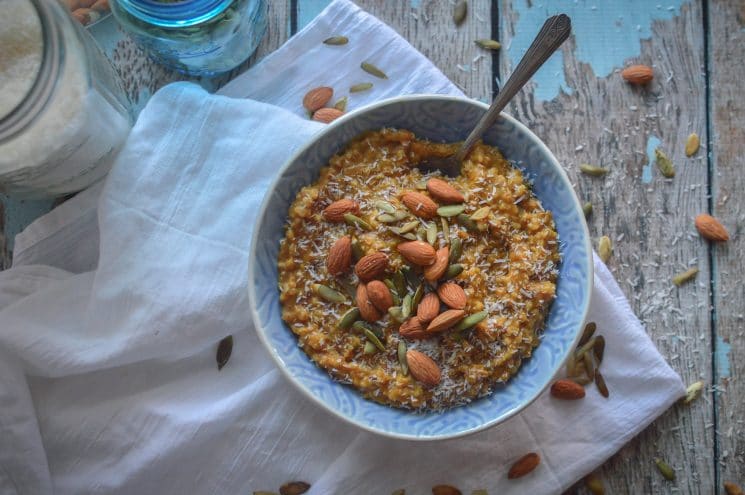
175 13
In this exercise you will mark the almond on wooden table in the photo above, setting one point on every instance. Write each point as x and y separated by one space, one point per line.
567 390
379 295
710 228
340 256
419 204
452 295
436 270
638 74
317 98
368 311
327 115
428 308
417 252
412 329
371 266
444 192
423 368
445 320
524 465
335 211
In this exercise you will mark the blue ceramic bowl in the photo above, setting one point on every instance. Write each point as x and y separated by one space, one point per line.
438 118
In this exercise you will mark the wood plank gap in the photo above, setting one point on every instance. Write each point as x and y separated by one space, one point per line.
495 54
293 17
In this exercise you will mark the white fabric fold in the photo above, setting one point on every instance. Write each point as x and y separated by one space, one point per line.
108 382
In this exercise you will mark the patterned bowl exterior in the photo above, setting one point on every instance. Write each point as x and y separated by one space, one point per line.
439 118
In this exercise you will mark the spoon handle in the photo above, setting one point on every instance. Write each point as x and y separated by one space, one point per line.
555 30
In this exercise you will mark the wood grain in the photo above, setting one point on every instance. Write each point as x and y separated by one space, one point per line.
606 122
727 153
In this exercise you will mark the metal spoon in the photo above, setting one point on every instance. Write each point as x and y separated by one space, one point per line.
555 30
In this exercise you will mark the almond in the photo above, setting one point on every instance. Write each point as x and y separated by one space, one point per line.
445 320
379 295
327 115
710 228
638 74
368 311
317 98
340 256
428 308
437 269
423 368
417 252
567 390
412 329
452 295
444 192
419 204
371 266
524 465
335 211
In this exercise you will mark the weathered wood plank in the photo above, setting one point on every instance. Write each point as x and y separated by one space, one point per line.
597 118
727 154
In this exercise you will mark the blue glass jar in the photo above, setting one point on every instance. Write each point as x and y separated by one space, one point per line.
196 37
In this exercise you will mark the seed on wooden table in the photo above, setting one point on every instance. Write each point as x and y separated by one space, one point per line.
445 490
336 40
224 350
373 70
605 248
692 144
587 333
587 209
693 391
294 488
524 465
732 488
665 469
600 383
664 164
594 484
360 87
685 276
488 44
459 12
593 170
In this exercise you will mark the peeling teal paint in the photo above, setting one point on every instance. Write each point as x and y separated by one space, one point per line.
721 358
307 10
606 34
20 213
415 3
652 143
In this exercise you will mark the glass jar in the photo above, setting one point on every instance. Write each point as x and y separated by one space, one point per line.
63 112
195 37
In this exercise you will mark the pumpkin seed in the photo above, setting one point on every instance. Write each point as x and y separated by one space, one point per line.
406 306
385 207
693 391
341 104
394 293
336 40
360 87
587 333
664 164
455 249
357 250
408 227
418 294
665 469
372 70
329 294
374 339
411 277
402 357
389 283
361 326
600 383
481 213
604 248
589 365
588 345
432 233
348 318
294 488
224 350
400 214
386 218
593 170
466 221
489 44
450 210
399 280
453 271
421 184
587 209
685 276
582 380
420 233
369 348
470 321
408 236
692 144
354 220
445 229
396 314
459 12
599 348
594 484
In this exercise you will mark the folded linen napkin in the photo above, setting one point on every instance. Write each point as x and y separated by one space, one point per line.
108 381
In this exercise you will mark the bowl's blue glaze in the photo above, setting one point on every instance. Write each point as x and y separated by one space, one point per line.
439 118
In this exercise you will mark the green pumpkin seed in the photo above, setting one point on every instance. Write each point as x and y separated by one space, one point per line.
600 383
420 233
587 333
359 88
459 12
406 306
445 229
354 220
593 170
374 339
372 70
605 248
224 350
341 105
421 184
357 250
692 144
599 348
664 164
361 326
329 294
396 314
350 289
399 280
346 321
385 207
587 209
408 227
411 277
585 348
481 213
386 218
589 364
432 233
594 484
693 391
418 294
369 348
336 40
402 357
453 271
470 321
450 210
456 246
400 214
466 221
489 44
294 488
685 276
407 235
665 469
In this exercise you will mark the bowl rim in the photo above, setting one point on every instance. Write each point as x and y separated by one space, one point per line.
589 282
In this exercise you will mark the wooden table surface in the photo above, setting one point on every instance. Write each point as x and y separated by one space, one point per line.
579 105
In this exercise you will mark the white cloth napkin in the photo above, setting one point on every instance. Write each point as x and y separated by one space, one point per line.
108 382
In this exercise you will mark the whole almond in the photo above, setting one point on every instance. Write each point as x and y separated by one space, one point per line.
420 204
317 98
371 266
444 192
412 329
368 311
417 252
710 228
423 368
327 115
436 270
524 465
335 211
428 308
638 74
445 320
452 295
379 295
567 390
340 256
